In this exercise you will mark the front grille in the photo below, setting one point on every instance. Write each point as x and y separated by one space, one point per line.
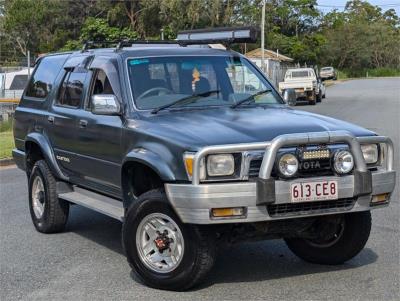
297 209
309 168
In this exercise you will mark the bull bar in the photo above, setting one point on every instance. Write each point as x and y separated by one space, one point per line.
193 202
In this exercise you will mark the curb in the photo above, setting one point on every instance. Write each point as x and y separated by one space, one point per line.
7 161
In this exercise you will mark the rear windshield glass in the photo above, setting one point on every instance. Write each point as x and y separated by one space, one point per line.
326 69
300 73
19 82
204 81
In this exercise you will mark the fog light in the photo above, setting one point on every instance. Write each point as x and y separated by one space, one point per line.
228 212
343 162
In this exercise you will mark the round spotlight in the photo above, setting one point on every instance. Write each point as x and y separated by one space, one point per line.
288 165
343 162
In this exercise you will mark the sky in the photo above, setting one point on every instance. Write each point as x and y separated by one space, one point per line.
328 5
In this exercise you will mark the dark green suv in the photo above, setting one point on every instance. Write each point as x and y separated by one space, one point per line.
191 147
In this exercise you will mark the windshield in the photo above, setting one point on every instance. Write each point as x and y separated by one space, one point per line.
215 81
327 69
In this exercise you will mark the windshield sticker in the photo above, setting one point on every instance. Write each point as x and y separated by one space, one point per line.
138 62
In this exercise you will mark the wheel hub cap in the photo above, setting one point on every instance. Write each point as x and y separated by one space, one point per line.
159 242
38 197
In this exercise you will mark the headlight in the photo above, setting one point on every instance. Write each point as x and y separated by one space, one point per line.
370 153
288 165
220 165
343 162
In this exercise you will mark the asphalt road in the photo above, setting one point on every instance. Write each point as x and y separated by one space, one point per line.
86 262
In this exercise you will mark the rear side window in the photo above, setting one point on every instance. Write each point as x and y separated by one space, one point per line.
71 90
44 76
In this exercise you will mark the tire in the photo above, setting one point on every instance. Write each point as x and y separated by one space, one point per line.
319 97
49 214
353 237
196 259
312 99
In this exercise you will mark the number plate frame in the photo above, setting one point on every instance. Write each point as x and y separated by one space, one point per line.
314 191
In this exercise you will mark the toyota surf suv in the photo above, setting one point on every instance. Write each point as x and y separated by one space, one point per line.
192 148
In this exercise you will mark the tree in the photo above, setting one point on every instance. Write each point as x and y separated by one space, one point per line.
97 29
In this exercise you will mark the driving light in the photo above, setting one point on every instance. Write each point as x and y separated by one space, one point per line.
188 159
288 165
370 153
343 162
247 34
220 165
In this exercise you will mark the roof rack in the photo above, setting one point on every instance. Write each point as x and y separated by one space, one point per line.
222 35
122 43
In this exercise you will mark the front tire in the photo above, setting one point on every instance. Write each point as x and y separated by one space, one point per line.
162 251
345 243
49 214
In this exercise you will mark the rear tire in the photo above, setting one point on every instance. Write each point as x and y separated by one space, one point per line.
49 214
185 262
312 99
341 247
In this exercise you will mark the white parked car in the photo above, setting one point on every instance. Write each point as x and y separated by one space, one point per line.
304 82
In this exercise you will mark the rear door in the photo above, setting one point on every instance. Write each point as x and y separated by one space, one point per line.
62 118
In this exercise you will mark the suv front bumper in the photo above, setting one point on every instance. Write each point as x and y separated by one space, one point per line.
269 199
193 203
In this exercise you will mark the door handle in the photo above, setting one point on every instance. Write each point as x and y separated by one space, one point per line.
83 123
50 119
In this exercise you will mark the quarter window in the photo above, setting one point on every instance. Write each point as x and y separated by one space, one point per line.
71 91
44 76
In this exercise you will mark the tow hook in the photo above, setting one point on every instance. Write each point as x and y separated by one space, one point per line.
163 241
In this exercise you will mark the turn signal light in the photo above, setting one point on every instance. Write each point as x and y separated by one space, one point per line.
228 212
380 198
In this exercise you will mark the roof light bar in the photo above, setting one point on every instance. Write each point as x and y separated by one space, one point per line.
224 35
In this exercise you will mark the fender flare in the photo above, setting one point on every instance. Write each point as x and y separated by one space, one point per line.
151 160
47 152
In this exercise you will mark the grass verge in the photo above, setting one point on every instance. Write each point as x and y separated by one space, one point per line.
6 139
6 144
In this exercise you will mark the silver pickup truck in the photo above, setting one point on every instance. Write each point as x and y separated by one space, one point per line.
304 82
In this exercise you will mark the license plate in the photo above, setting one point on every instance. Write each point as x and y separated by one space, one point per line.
314 191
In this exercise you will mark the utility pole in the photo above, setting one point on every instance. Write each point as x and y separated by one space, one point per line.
263 36
29 64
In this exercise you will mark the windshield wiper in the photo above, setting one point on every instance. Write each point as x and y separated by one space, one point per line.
184 100
251 97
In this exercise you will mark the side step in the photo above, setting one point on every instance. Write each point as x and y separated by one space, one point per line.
95 201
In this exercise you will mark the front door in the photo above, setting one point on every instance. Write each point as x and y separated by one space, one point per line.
98 139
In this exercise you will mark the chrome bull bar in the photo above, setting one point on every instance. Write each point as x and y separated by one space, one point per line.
272 147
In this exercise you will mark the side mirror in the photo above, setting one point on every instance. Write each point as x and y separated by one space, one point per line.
289 96
105 104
